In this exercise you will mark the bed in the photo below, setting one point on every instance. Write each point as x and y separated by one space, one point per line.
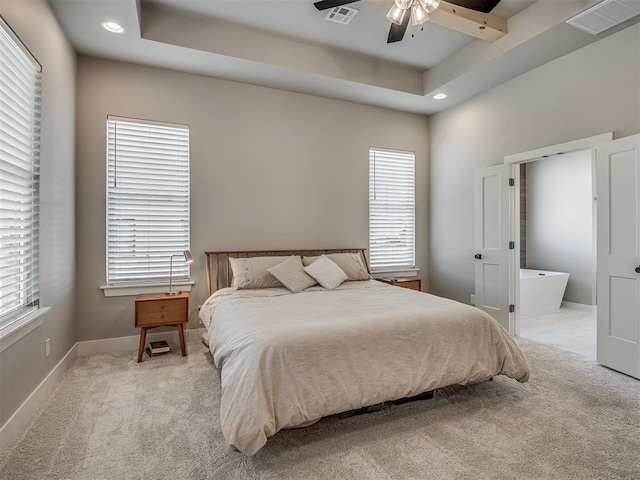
287 359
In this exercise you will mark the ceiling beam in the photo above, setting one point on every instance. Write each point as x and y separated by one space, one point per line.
484 26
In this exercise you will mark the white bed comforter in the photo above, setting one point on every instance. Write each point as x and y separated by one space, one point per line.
288 358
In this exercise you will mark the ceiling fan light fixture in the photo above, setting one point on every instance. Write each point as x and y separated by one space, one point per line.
430 5
418 14
403 4
396 14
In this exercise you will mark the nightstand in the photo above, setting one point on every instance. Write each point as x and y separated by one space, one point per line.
410 283
161 310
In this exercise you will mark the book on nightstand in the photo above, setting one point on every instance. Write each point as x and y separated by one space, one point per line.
157 348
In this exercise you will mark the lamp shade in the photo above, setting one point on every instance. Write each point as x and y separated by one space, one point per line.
187 256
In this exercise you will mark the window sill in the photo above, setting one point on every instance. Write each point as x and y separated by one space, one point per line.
130 290
14 331
405 272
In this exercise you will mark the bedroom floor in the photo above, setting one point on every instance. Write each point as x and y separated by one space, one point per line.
569 328
113 418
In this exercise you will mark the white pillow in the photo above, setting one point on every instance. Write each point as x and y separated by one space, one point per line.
252 272
326 272
350 263
292 275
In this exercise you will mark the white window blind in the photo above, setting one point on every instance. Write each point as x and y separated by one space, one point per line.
19 177
391 209
147 200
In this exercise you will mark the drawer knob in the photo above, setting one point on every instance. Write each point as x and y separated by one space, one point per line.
161 316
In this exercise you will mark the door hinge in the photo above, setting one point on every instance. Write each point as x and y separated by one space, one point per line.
512 182
512 308
512 245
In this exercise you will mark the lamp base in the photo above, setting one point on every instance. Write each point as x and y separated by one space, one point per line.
172 293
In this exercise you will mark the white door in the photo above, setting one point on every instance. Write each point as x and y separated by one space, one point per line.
492 201
618 220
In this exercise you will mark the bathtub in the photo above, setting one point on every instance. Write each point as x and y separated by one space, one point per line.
541 291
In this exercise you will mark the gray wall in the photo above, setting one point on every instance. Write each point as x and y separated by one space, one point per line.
590 91
269 169
23 365
560 221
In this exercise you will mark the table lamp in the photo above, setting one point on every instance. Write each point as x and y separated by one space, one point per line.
187 256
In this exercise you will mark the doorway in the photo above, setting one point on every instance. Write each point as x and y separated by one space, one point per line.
557 251
497 266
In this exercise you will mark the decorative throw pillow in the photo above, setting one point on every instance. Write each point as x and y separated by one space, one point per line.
292 275
252 272
350 263
326 272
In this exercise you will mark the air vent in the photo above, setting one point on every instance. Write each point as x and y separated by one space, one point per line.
342 15
605 15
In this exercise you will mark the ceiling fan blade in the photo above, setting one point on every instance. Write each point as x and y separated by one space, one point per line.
396 32
484 6
327 4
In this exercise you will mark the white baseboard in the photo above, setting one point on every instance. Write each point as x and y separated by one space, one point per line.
21 417
120 344
195 334
579 306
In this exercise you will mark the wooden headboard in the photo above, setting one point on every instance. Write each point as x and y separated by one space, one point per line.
222 276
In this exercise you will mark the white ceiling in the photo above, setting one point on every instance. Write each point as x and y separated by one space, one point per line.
289 45
366 34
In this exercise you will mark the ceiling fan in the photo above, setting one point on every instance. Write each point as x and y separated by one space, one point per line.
471 17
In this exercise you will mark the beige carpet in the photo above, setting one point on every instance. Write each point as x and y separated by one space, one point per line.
111 418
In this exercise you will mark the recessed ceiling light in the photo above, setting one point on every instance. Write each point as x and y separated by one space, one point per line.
113 27
440 96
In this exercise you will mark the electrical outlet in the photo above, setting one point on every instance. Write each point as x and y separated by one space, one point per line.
47 347
473 299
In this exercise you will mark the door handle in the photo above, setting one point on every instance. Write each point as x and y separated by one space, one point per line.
637 269
477 256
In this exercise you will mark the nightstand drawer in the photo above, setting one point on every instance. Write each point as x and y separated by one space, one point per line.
155 318
410 283
158 312
155 306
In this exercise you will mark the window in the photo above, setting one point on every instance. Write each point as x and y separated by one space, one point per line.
391 210
19 177
147 201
